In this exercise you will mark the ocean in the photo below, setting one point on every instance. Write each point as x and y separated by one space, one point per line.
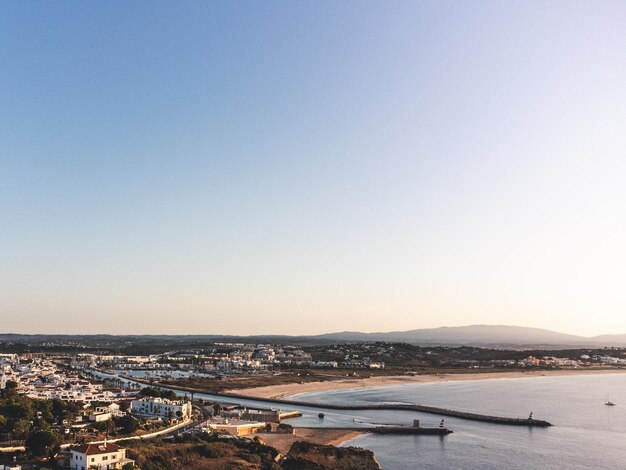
586 434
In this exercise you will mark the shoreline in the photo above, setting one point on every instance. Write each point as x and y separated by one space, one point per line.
322 436
291 390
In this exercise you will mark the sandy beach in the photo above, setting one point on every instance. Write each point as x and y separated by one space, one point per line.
283 442
282 391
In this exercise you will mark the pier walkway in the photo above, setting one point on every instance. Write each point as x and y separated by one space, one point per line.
401 406
374 406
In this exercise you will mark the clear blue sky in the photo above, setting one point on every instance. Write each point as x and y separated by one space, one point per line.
302 167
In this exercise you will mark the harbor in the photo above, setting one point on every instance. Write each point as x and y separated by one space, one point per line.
393 429
530 421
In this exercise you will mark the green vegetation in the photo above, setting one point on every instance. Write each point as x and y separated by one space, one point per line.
309 456
20 416
207 453
33 421
158 393
130 466
43 443
128 423
401 357
10 390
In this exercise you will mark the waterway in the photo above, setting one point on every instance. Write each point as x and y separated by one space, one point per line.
586 433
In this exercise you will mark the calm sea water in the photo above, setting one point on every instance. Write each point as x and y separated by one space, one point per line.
586 433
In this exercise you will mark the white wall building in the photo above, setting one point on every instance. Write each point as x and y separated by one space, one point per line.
235 427
151 407
99 417
105 456
112 408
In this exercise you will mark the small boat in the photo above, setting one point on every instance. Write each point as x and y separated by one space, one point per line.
609 402
321 415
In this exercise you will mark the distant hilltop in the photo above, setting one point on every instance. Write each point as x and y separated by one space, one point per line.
473 335
492 335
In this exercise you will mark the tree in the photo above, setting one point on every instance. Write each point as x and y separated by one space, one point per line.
110 426
42 443
125 406
150 392
4 424
156 392
21 428
100 426
10 389
63 409
18 407
128 424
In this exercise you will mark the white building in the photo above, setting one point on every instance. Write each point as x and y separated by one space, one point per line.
100 417
101 456
112 408
151 407
235 427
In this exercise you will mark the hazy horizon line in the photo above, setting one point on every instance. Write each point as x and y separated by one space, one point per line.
295 335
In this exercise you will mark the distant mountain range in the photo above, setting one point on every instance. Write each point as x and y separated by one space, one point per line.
482 335
474 335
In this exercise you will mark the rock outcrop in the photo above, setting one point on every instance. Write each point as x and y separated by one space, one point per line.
307 456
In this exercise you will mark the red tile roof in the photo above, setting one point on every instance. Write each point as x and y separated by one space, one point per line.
95 449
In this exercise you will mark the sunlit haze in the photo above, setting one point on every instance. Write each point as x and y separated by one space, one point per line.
307 167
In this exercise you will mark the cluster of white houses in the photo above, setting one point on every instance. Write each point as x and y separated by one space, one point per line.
109 456
148 408
40 378
74 389
584 360
610 360
223 358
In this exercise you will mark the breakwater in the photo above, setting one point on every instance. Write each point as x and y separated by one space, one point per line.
410 430
401 406
374 406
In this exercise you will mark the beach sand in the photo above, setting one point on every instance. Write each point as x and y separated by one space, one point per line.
283 442
287 390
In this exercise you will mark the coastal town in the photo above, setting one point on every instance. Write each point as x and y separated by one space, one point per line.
65 412
312 235
100 408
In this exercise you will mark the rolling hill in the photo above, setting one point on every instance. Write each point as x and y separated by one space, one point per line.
481 335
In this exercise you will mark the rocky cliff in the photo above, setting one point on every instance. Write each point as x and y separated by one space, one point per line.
307 456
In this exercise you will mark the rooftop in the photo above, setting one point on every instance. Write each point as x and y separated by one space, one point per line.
95 449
